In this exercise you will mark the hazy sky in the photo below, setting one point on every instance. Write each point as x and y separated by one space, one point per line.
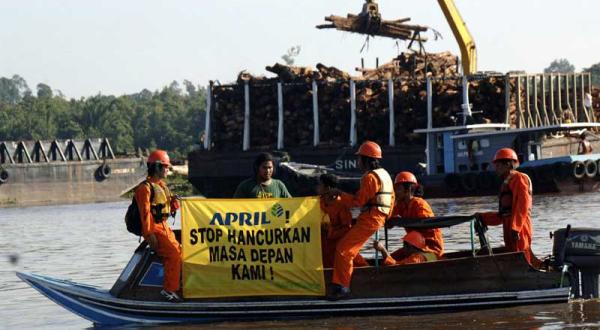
85 47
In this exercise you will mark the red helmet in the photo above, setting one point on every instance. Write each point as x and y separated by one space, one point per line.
506 153
405 177
159 156
369 149
415 239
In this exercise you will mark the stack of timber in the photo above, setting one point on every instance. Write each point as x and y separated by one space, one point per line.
408 73
372 24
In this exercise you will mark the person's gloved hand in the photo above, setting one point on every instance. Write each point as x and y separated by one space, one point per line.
174 206
515 235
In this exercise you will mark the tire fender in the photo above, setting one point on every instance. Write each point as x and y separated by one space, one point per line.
578 169
591 168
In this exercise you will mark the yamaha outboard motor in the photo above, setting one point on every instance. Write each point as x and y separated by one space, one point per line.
579 250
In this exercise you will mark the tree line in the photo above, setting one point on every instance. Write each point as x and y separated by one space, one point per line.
171 118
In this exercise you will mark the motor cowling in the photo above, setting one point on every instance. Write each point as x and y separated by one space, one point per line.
580 250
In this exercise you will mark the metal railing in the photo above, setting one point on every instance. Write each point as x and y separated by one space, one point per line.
551 99
41 151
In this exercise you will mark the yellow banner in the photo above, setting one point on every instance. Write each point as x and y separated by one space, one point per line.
251 247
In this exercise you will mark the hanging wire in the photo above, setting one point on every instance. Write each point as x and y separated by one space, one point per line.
365 44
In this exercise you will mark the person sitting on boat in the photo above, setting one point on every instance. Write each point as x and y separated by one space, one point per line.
155 229
262 185
585 147
415 248
376 197
340 222
514 206
409 206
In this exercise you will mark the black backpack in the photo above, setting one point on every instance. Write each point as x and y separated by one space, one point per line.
133 220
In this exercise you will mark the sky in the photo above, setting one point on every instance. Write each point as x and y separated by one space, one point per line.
86 47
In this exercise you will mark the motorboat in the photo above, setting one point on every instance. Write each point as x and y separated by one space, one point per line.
479 278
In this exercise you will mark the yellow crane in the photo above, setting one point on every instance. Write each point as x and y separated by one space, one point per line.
468 52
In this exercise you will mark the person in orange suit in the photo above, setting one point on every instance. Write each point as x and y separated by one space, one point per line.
415 248
155 229
376 197
340 222
409 206
514 207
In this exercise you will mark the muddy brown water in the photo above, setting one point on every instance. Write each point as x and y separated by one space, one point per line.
88 243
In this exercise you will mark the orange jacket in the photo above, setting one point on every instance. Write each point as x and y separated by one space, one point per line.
519 219
340 219
418 208
142 197
369 186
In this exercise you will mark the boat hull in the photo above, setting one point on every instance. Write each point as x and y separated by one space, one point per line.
102 308
69 182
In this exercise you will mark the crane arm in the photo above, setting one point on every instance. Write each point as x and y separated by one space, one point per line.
463 37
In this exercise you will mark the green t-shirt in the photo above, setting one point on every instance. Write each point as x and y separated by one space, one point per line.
250 188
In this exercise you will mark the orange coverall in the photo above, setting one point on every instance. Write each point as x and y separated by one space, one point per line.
168 246
518 220
419 208
340 222
415 258
368 222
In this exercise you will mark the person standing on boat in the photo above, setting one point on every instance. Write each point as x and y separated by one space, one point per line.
376 197
415 248
340 221
585 147
514 206
409 206
262 185
154 212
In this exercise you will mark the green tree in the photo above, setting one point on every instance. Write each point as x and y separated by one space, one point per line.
290 56
595 71
561 65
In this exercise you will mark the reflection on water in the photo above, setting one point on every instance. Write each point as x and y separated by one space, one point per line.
88 243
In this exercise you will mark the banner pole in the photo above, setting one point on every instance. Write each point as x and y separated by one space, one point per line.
376 251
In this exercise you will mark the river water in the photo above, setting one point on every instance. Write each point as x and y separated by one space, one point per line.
88 243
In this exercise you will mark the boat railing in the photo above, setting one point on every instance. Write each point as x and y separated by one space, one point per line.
552 99
46 151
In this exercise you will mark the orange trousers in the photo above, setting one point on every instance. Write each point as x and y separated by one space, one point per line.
170 252
349 246
328 248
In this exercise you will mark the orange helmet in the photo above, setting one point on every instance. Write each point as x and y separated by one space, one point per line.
506 153
159 156
415 239
369 149
405 177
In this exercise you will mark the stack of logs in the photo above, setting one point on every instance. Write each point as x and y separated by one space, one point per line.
408 72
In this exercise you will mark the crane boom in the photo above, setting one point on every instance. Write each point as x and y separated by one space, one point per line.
465 41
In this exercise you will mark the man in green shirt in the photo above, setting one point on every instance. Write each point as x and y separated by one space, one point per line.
262 185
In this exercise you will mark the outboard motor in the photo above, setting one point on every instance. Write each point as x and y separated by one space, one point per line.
579 250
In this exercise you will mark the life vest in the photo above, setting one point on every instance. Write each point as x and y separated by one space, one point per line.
506 195
383 198
160 205
429 256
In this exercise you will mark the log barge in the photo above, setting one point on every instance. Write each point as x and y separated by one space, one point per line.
64 172
317 123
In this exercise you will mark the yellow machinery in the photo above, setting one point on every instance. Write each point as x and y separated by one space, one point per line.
465 41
